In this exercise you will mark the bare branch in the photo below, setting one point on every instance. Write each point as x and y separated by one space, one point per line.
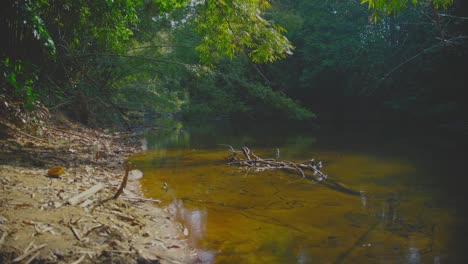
251 160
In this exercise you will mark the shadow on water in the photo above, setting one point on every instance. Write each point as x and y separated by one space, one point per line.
336 186
393 196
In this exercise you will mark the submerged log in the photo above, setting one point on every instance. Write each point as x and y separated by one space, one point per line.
247 158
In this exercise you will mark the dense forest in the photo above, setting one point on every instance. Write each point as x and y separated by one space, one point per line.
113 62
344 121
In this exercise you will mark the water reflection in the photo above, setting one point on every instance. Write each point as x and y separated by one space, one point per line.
413 256
363 199
206 256
376 207
390 211
194 220
302 258
144 144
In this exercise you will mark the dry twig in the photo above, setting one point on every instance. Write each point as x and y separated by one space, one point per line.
75 232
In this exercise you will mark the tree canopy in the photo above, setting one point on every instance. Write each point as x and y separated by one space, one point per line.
140 59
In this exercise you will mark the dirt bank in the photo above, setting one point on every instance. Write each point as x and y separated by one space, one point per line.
37 222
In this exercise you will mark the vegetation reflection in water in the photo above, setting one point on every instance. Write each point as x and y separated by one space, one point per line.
278 217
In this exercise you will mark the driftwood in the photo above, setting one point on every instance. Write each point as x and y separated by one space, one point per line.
124 181
85 195
2 239
141 199
33 257
246 158
79 260
28 251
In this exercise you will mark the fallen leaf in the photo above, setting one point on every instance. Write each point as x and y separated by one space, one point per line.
56 171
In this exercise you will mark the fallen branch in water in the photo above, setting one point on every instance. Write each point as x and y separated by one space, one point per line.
246 158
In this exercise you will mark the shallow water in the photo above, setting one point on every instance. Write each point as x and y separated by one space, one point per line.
407 203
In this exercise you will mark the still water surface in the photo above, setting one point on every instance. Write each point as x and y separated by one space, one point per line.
407 203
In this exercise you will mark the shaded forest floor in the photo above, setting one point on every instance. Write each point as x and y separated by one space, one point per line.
37 223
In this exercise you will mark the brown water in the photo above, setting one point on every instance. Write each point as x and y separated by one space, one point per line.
400 206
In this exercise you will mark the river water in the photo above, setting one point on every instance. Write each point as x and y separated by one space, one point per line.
405 201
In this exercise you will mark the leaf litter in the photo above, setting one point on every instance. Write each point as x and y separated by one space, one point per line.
50 213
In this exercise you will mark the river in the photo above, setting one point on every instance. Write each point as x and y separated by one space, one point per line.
408 203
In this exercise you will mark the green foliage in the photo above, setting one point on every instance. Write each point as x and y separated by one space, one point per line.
233 91
38 26
143 57
18 82
229 27
333 36
89 41
333 42
279 103
170 5
345 67
105 24
383 8
52 34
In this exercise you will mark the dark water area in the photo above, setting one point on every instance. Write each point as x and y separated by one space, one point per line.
407 203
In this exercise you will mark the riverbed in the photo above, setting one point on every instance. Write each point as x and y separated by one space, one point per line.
407 203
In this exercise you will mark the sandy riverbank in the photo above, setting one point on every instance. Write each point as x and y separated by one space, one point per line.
37 223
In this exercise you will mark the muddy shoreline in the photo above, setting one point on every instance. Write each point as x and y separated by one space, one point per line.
37 222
